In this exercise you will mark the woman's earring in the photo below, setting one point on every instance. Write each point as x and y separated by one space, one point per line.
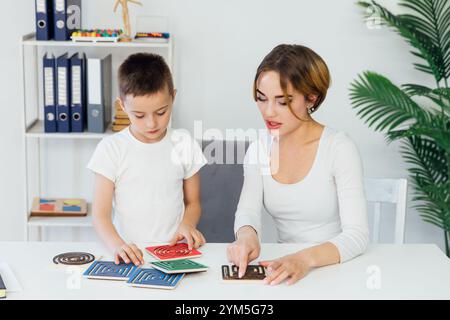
311 110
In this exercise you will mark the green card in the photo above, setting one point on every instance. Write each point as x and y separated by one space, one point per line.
179 266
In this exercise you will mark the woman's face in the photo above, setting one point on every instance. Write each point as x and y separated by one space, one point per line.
273 106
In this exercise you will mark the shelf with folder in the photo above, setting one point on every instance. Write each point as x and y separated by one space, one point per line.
36 130
36 91
30 40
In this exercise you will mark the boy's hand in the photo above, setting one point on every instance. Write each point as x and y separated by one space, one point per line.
128 253
194 238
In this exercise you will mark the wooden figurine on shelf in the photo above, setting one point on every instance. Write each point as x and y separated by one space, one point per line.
126 17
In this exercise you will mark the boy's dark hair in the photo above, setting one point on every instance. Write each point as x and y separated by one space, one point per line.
143 74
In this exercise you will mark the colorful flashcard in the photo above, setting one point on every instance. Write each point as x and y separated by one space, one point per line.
179 266
152 278
109 270
254 273
176 252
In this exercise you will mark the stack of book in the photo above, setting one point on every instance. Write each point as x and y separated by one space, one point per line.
121 120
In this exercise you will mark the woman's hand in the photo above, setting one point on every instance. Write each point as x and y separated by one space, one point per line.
292 267
245 249
194 238
128 253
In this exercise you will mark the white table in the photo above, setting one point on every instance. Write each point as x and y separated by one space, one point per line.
412 271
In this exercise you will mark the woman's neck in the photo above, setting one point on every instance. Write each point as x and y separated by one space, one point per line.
304 134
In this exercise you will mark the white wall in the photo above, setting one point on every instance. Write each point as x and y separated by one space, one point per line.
218 45
17 20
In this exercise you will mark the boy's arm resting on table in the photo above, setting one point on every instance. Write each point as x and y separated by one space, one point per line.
192 213
193 208
102 222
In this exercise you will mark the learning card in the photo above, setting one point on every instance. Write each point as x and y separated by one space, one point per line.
74 258
179 266
152 278
108 270
176 252
254 273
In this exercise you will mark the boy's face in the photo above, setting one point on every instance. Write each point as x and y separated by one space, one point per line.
149 115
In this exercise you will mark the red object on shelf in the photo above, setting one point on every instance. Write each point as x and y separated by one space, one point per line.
47 207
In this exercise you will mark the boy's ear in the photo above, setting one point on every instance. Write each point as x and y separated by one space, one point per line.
174 93
120 102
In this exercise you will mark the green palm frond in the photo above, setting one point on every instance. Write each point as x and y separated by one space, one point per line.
417 115
432 188
384 105
427 158
438 130
440 96
432 23
427 30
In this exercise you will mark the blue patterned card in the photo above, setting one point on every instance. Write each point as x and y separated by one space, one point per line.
152 278
109 270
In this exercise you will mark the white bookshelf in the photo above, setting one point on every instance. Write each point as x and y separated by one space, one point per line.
33 123
36 130
30 40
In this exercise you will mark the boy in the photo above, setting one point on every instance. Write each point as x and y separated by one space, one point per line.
150 170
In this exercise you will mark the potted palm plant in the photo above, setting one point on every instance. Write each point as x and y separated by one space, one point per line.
416 115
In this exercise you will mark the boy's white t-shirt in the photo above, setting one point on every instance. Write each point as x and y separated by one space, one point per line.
148 178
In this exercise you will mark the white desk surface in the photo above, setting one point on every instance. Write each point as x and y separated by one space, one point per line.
412 271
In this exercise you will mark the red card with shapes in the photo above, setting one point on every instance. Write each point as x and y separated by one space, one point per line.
176 252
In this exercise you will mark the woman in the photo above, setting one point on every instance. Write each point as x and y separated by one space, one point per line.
309 179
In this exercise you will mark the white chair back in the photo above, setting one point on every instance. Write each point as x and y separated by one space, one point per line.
394 191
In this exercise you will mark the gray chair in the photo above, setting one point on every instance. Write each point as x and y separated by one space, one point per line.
221 184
